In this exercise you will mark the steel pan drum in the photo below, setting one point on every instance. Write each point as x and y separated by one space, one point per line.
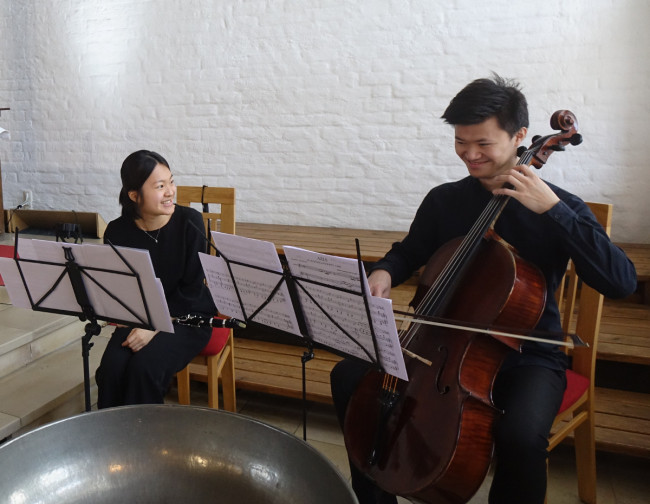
166 453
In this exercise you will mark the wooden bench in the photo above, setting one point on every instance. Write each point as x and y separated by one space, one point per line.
276 368
327 240
622 407
623 422
625 333
622 417
639 254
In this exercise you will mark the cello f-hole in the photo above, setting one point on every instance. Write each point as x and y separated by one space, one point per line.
442 390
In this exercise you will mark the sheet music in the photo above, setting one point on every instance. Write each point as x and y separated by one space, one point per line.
115 278
346 310
255 285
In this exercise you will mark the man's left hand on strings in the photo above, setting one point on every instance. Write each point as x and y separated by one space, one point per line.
530 190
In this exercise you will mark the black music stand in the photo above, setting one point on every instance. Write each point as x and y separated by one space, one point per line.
297 286
79 290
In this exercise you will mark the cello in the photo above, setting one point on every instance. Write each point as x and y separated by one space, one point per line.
430 438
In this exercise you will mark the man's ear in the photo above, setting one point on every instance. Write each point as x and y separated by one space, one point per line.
520 135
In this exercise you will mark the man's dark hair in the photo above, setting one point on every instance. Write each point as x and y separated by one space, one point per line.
136 169
486 98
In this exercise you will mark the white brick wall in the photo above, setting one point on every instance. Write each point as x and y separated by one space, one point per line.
322 112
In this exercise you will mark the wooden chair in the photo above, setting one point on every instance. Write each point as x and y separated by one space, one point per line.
581 308
204 195
217 361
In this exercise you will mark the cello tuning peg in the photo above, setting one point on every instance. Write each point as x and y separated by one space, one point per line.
520 150
536 137
576 139
558 147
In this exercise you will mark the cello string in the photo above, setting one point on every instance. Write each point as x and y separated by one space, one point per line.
435 294
487 217
460 256
449 274
389 384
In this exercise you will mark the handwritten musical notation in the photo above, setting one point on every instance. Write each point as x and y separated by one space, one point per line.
329 289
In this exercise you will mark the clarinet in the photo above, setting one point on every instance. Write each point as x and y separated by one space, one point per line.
202 321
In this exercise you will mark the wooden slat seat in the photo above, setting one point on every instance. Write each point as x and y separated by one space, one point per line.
276 368
622 422
639 254
625 333
334 241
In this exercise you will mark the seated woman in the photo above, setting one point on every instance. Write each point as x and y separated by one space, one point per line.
138 365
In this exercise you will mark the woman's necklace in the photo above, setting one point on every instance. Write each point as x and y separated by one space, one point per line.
143 225
149 234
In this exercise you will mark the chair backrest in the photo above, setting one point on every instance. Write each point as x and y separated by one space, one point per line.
581 306
222 220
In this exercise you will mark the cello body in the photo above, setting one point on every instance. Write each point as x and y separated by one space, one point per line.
431 439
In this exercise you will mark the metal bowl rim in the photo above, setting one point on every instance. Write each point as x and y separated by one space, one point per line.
205 409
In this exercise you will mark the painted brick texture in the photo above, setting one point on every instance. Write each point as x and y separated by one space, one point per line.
319 112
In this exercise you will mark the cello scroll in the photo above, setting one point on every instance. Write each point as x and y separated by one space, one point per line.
542 147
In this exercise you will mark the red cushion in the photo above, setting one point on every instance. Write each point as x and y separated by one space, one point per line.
576 385
217 341
6 251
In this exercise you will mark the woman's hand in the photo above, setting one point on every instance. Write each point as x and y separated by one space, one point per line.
530 190
138 339
379 282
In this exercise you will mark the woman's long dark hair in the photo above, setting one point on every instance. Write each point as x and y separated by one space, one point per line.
136 169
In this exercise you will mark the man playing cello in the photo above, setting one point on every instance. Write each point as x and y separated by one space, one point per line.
547 226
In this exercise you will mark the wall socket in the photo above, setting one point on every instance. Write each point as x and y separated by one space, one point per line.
28 199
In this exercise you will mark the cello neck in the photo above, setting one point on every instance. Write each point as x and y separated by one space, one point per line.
437 294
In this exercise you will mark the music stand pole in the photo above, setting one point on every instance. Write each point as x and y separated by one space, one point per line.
306 357
88 313
91 329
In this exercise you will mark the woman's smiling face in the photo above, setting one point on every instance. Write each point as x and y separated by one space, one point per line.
157 194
